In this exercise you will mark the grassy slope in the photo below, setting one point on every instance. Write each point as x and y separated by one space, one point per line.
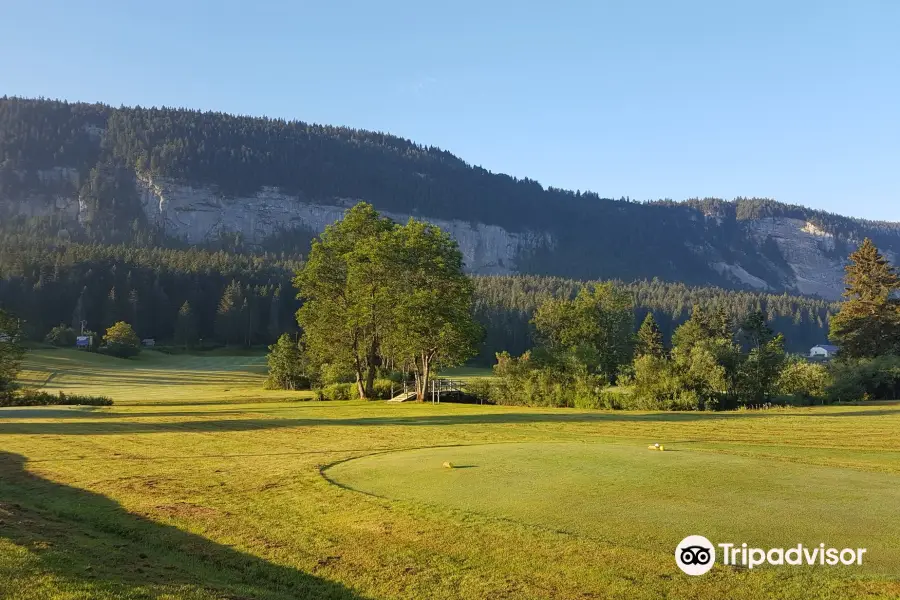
179 492
151 377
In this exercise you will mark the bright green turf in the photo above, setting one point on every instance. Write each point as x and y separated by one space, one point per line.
185 490
625 494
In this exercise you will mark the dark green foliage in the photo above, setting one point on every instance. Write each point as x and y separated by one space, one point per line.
505 305
186 327
757 378
649 339
234 322
32 397
868 324
11 353
707 370
376 292
866 379
593 332
288 367
47 283
61 336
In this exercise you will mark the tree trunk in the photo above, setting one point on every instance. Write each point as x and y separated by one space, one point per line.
360 388
422 376
372 368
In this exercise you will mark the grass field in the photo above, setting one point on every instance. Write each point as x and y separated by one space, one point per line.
152 377
198 484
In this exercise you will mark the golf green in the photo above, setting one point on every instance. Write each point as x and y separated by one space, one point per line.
631 496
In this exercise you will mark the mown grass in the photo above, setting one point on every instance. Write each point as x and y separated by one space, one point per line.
153 377
210 494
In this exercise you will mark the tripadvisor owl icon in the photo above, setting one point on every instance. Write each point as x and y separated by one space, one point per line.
695 555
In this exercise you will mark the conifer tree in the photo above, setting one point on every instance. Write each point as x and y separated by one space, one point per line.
649 339
868 324
229 325
185 327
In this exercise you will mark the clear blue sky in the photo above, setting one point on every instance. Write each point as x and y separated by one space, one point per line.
796 100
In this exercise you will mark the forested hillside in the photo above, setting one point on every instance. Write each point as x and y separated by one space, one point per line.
505 306
95 171
223 297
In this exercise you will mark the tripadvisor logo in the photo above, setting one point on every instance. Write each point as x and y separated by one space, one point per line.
695 555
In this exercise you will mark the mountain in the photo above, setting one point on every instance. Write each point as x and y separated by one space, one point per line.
174 176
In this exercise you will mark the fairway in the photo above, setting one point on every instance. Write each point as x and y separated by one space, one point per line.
151 377
199 484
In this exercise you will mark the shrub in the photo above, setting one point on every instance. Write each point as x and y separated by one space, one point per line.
481 389
802 380
383 388
866 379
288 366
121 341
336 373
61 336
338 391
33 397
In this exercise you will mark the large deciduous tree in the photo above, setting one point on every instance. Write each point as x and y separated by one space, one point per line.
348 288
375 290
596 328
431 319
868 324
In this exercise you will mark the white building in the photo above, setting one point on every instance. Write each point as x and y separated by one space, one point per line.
823 351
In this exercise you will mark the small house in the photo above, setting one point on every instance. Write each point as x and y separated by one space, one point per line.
148 342
823 351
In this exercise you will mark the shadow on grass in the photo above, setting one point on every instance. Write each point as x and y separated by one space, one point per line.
113 426
116 427
86 540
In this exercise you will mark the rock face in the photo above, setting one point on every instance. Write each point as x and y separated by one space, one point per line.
198 213
811 260
808 251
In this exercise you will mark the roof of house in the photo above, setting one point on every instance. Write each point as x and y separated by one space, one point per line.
827 347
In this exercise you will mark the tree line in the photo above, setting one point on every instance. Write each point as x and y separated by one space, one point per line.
505 305
176 296
181 296
586 354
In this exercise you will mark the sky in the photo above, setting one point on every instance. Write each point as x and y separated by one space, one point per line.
797 101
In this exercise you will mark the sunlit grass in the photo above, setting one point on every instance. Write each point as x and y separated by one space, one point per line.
152 377
184 490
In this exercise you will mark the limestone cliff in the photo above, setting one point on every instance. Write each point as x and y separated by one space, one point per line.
808 260
199 213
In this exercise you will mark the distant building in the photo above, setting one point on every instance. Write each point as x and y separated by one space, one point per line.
148 342
823 351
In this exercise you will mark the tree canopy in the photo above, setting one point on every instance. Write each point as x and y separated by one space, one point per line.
11 352
868 323
373 290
